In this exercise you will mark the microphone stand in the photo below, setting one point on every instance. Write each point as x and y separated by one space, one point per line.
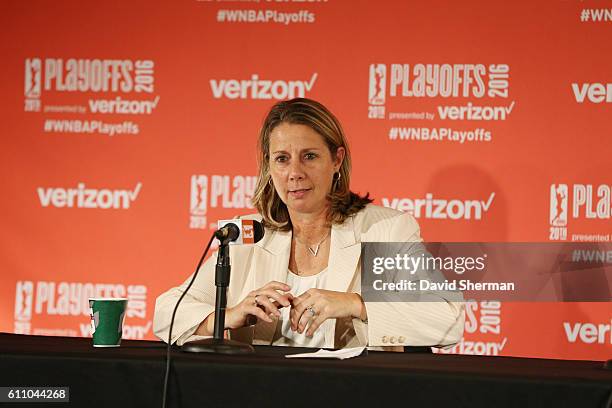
218 344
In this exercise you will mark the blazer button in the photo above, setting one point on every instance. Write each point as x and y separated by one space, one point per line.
401 339
392 340
385 339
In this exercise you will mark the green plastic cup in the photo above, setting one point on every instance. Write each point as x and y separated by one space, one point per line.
107 320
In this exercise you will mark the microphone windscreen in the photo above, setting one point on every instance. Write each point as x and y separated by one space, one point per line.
233 232
258 231
240 231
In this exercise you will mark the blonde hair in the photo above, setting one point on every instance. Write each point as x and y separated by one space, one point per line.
302 111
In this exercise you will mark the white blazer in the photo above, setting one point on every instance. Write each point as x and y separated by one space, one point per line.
389 325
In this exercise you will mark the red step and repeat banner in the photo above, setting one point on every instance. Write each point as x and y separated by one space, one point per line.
130 128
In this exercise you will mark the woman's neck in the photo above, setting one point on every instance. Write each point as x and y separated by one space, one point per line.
310 227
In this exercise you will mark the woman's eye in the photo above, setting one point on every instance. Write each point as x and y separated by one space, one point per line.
280 159
310 156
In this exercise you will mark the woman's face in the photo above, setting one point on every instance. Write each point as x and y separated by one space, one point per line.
302 167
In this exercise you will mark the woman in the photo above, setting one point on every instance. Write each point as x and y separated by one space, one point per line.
302 281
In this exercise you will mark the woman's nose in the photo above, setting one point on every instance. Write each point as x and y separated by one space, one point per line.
296 171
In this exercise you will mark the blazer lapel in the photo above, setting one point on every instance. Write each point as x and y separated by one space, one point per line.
271 258
270 263
344 255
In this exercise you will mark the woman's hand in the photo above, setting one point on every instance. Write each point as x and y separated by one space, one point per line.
317 305
261 303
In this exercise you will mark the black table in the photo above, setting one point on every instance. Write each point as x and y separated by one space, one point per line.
132 376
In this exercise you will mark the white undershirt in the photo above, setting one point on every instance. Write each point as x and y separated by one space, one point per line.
287 337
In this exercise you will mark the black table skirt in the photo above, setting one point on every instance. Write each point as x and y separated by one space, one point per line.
132 376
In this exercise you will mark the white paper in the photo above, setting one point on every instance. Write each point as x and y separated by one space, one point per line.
339 354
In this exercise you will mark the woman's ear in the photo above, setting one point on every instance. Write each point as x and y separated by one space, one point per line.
340 152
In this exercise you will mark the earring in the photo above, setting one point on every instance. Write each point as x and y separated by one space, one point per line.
336 180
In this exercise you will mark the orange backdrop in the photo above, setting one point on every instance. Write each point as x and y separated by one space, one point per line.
131 127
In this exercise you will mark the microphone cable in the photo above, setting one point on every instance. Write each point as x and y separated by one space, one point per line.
169 347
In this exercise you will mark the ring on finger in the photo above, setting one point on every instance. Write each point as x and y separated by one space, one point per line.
311 310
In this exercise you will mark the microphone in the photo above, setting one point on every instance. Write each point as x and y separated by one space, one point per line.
230 232
233 232
239 232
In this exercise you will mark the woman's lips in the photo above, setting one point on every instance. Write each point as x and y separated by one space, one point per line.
298 193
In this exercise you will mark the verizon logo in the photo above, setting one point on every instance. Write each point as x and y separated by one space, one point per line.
82 197
473 112
595 93
123 106
430 207
588 332
256 88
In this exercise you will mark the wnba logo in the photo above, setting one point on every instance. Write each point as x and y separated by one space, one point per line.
197 206
32 84
24 294
32 78
378 79
23 300
558 211
377 92
558 205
